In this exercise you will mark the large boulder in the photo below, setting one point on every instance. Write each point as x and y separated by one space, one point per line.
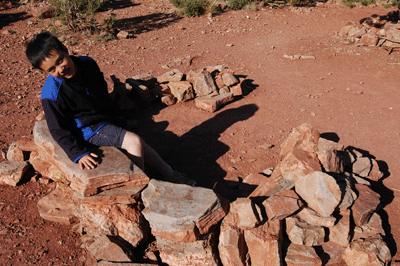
114 170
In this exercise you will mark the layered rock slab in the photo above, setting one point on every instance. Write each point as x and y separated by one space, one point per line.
199 253
114 170
59 206
180 212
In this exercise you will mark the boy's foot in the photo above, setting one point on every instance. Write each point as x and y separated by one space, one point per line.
179 178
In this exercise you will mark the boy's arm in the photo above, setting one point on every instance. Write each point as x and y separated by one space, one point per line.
60 127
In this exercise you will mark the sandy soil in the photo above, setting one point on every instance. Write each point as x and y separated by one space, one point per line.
348 91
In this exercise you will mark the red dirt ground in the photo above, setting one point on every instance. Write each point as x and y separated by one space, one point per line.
348 90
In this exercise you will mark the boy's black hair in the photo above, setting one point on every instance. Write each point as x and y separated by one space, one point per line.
41 47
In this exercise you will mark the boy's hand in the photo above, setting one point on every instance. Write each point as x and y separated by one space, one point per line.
88 161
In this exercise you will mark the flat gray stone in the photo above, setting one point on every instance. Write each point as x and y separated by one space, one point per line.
180 212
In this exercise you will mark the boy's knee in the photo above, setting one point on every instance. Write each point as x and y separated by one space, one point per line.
132 139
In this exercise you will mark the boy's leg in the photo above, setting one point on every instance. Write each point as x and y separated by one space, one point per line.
139 152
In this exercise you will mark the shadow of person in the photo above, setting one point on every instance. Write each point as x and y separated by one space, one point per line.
195 153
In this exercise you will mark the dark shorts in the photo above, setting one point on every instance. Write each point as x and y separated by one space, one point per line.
109 135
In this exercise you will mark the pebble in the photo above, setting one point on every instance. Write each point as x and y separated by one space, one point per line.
268 171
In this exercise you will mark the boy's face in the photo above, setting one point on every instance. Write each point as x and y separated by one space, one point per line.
59 65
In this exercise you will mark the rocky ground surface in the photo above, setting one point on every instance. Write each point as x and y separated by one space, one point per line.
348 91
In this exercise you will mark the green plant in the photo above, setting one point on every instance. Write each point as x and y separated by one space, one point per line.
109 22
352 3
105 36
178 3
274 3
237 4
75 13
191 8
194 8
348 3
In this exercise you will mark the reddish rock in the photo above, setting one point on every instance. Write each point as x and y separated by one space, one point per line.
250 182
248 214
198 253
239 88
115 169
362 166
375 174
119 195
371 229
327 145
142 91
224 90
181 213
124 220
14 153
282 205
320 191
299 255
228 78
19 150
274 184
123 34
303 137
144 77
45 168
232 247
299 163
340 233
348 199
365 205
335 252
301 233
174 75
12 172
356 32
213 103
203 84
42 11
369 39
330 161
265 244
219 83
217 68
182 90
105 249
391 44
345 30
393 34
369 252
168 99
59 206
311 217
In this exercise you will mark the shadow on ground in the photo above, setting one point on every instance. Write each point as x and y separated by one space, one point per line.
195 153
141 24
7 19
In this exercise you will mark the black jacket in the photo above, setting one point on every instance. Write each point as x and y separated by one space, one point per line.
75 111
